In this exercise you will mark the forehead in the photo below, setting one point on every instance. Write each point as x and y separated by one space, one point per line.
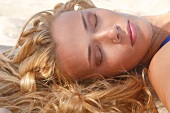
69 35
66 25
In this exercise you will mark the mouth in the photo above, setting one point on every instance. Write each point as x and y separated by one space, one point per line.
131 32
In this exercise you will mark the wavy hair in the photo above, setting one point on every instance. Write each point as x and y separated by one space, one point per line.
31 81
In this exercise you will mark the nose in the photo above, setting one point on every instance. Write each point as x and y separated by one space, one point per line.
110 34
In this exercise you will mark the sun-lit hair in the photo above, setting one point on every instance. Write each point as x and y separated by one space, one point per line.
31 81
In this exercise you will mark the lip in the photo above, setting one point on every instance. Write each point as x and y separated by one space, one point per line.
131 32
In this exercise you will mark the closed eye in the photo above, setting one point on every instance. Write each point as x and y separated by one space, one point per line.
101 55
96 19
89 54
98 56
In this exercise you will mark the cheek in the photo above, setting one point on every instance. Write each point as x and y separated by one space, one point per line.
124 58
117 56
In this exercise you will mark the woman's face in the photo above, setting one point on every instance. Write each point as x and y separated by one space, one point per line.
100 41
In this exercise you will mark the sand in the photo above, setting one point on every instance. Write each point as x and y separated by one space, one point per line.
14 13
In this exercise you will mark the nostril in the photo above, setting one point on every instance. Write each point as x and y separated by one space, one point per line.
117 27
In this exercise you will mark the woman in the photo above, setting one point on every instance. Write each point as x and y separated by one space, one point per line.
86 61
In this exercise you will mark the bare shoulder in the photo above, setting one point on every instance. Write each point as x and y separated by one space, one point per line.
162 58
159 74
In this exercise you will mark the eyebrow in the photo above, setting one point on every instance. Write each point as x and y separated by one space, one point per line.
84 21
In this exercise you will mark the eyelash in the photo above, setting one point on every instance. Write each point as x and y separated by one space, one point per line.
95 16
101 55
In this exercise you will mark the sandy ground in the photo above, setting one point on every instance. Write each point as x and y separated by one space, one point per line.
14 13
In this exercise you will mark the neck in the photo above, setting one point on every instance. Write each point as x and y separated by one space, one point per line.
161 30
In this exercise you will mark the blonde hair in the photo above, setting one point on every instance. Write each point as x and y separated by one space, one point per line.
31 81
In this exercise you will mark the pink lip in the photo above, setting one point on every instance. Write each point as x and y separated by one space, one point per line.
131 32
